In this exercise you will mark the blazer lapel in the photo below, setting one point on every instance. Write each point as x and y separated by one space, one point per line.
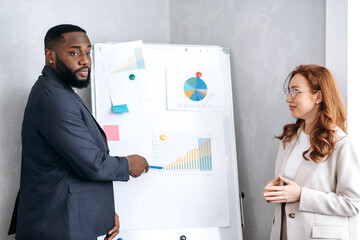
285 154
306 169
50 72
97 124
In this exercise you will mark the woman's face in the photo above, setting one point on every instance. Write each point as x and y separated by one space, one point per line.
304 104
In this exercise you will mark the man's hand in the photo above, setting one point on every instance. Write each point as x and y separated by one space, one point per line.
282 194
115 230
137 165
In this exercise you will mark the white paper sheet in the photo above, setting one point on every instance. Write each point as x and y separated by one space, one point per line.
125 72
176 199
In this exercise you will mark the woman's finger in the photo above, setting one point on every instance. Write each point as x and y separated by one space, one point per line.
274 188
277 199
285 180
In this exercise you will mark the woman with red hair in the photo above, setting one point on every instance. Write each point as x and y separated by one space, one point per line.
317 184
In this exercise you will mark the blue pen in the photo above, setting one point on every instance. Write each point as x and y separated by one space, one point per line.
156 167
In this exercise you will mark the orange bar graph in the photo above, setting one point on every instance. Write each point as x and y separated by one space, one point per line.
195 159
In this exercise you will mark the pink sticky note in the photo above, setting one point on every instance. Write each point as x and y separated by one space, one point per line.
112 132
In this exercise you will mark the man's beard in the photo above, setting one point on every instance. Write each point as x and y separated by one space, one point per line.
70 77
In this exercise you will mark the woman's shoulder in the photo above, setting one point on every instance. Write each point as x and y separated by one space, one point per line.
341 138
344 148
339 133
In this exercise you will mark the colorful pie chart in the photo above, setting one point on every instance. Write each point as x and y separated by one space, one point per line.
195 89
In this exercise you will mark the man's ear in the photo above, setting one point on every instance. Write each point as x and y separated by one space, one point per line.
49 57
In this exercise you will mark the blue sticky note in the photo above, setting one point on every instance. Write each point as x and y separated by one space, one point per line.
120 108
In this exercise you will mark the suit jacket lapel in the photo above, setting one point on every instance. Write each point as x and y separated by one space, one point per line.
285 156
306 168
50 72
97 124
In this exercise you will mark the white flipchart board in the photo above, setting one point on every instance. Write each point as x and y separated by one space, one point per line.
195 194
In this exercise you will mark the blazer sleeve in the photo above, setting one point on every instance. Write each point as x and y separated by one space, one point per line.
61 123
345 200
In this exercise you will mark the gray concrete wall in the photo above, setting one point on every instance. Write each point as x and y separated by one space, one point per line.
23 25
267 39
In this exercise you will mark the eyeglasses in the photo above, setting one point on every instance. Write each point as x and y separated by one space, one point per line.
293 91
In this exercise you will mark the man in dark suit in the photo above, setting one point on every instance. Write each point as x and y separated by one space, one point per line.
66 189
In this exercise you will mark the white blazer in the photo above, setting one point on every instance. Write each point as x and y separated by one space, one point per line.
330 195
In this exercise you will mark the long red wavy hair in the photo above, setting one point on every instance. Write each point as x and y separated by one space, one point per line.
331 112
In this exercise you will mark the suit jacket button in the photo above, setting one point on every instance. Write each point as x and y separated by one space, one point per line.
292 215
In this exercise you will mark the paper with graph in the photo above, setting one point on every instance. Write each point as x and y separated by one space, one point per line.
183 153
190 190
125 72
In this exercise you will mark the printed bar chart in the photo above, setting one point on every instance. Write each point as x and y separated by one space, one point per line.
183 153
134 62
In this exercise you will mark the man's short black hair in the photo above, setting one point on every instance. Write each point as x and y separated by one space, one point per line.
55 33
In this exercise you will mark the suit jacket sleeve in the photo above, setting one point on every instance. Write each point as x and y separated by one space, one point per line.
345 200
61 122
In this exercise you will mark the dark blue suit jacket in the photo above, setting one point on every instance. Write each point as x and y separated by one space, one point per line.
66 189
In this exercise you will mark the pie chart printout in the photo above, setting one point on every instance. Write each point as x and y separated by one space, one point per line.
195 89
